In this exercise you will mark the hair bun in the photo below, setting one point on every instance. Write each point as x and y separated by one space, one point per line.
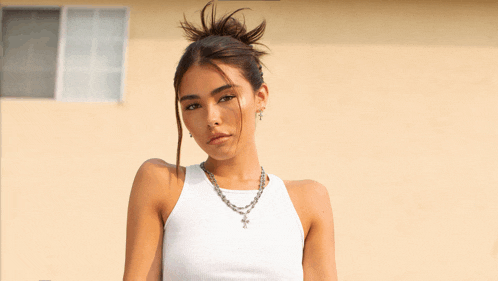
227 25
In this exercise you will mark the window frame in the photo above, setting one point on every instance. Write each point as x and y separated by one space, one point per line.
61 42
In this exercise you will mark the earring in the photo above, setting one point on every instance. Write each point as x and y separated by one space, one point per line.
260 114
190 134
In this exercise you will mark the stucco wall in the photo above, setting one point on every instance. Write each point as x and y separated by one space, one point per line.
391 105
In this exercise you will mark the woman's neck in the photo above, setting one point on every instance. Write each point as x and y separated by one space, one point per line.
244 167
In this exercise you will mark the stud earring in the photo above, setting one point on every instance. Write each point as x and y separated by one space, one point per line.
190 134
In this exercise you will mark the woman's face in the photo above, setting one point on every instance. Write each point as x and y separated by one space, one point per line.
211 112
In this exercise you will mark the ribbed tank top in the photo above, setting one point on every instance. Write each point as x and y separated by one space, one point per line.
205 240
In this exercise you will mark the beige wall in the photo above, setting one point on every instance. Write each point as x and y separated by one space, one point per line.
391 105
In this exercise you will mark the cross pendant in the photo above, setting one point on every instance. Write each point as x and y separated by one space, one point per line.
245 221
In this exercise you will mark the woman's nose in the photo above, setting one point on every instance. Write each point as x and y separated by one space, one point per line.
213 116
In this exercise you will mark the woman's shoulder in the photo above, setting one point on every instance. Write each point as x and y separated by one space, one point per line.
307 187
164 173
164 168
309 198
159 175
309 193
163 183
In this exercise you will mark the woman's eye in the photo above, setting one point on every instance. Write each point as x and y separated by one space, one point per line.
196 105
192 106
227 98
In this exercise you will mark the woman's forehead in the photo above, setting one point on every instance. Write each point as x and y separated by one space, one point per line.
203 79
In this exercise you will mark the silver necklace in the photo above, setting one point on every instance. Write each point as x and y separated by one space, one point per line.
249 206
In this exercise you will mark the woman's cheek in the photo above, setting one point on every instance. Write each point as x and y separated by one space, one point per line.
189 122
233 112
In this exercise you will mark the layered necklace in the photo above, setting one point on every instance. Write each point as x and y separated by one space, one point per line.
239 210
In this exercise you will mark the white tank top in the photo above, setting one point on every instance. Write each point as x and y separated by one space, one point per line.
205 240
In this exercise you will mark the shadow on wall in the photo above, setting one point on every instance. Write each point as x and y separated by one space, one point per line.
494 250
463 23
439 22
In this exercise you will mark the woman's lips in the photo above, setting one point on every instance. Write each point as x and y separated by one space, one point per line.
217 139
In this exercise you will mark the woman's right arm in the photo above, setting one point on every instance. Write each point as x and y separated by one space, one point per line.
144 230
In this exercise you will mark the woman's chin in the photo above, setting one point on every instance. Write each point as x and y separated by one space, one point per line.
220 154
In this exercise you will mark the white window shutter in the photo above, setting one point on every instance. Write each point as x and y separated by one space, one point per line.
92 54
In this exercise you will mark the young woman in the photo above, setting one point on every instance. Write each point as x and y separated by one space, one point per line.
225 218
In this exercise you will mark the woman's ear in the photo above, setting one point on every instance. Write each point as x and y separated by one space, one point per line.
262 97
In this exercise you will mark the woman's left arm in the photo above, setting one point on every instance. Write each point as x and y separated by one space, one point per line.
319 247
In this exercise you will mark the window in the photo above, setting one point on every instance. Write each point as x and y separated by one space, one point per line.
66 53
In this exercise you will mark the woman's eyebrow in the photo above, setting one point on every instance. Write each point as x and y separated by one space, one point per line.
213 92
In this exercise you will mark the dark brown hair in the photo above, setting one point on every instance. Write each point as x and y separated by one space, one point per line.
226 41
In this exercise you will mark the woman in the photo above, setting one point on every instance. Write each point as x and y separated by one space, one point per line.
225 219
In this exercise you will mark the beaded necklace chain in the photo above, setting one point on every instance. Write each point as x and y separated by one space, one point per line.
250 206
